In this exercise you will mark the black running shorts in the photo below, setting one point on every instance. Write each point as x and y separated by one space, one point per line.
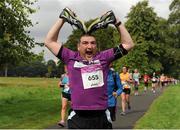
127 90
89 119
66 95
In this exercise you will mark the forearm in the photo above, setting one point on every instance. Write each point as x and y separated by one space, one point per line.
54 31
59 84
126 39
120 87
119 91
52 37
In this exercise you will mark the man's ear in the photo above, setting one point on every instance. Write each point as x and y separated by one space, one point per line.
78 46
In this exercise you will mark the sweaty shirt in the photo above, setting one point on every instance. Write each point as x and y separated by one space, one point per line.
136 77
124 78
146 78
88 80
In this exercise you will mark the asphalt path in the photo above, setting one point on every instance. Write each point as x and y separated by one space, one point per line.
139 105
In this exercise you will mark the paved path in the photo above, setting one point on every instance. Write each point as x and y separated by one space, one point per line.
139 105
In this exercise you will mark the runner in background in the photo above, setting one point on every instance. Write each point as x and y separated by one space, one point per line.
125 96
136 77
114 90
146 81
65 96
162 80
154 82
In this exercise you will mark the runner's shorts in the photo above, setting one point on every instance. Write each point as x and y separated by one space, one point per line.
89 119
154 81
162 83
127 90
146 84
136 85
66 95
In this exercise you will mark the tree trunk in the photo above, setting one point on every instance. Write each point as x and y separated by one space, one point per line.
6 70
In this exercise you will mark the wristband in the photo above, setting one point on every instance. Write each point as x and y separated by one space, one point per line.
117 24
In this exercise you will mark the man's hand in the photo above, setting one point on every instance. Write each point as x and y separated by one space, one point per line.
115 94
102 22
118 22
69 16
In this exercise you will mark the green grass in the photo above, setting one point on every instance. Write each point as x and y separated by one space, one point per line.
164 113
29 102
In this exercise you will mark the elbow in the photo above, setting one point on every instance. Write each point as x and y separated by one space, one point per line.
131 45
128 45
47 41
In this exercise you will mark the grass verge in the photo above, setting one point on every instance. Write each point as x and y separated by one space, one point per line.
164 112
27 103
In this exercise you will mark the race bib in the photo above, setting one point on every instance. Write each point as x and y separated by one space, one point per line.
125 85
92 76
66 88
154 79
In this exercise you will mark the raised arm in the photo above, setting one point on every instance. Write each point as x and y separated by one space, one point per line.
51 40
126 39
67 15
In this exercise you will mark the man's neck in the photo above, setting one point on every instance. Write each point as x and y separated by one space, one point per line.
87 58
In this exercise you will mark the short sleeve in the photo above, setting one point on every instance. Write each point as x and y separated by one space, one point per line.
65 54
108 54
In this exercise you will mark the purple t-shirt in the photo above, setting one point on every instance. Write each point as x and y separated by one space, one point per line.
88 80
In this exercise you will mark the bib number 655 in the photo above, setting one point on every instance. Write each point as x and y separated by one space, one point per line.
93 77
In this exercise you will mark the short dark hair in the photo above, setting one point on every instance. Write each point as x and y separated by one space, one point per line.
84 35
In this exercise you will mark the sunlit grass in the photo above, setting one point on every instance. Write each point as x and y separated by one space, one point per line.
164 112
29 102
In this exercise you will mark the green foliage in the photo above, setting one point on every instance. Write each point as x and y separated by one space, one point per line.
164 112
172 50
175 12
28 103
36 66
73 39
60 67
51 67
15 42
142 24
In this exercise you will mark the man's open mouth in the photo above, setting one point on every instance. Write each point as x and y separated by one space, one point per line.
89 52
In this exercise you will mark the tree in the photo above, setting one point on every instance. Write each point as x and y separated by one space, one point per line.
60 68
142 25
52 70
173 42
15 43
35 67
